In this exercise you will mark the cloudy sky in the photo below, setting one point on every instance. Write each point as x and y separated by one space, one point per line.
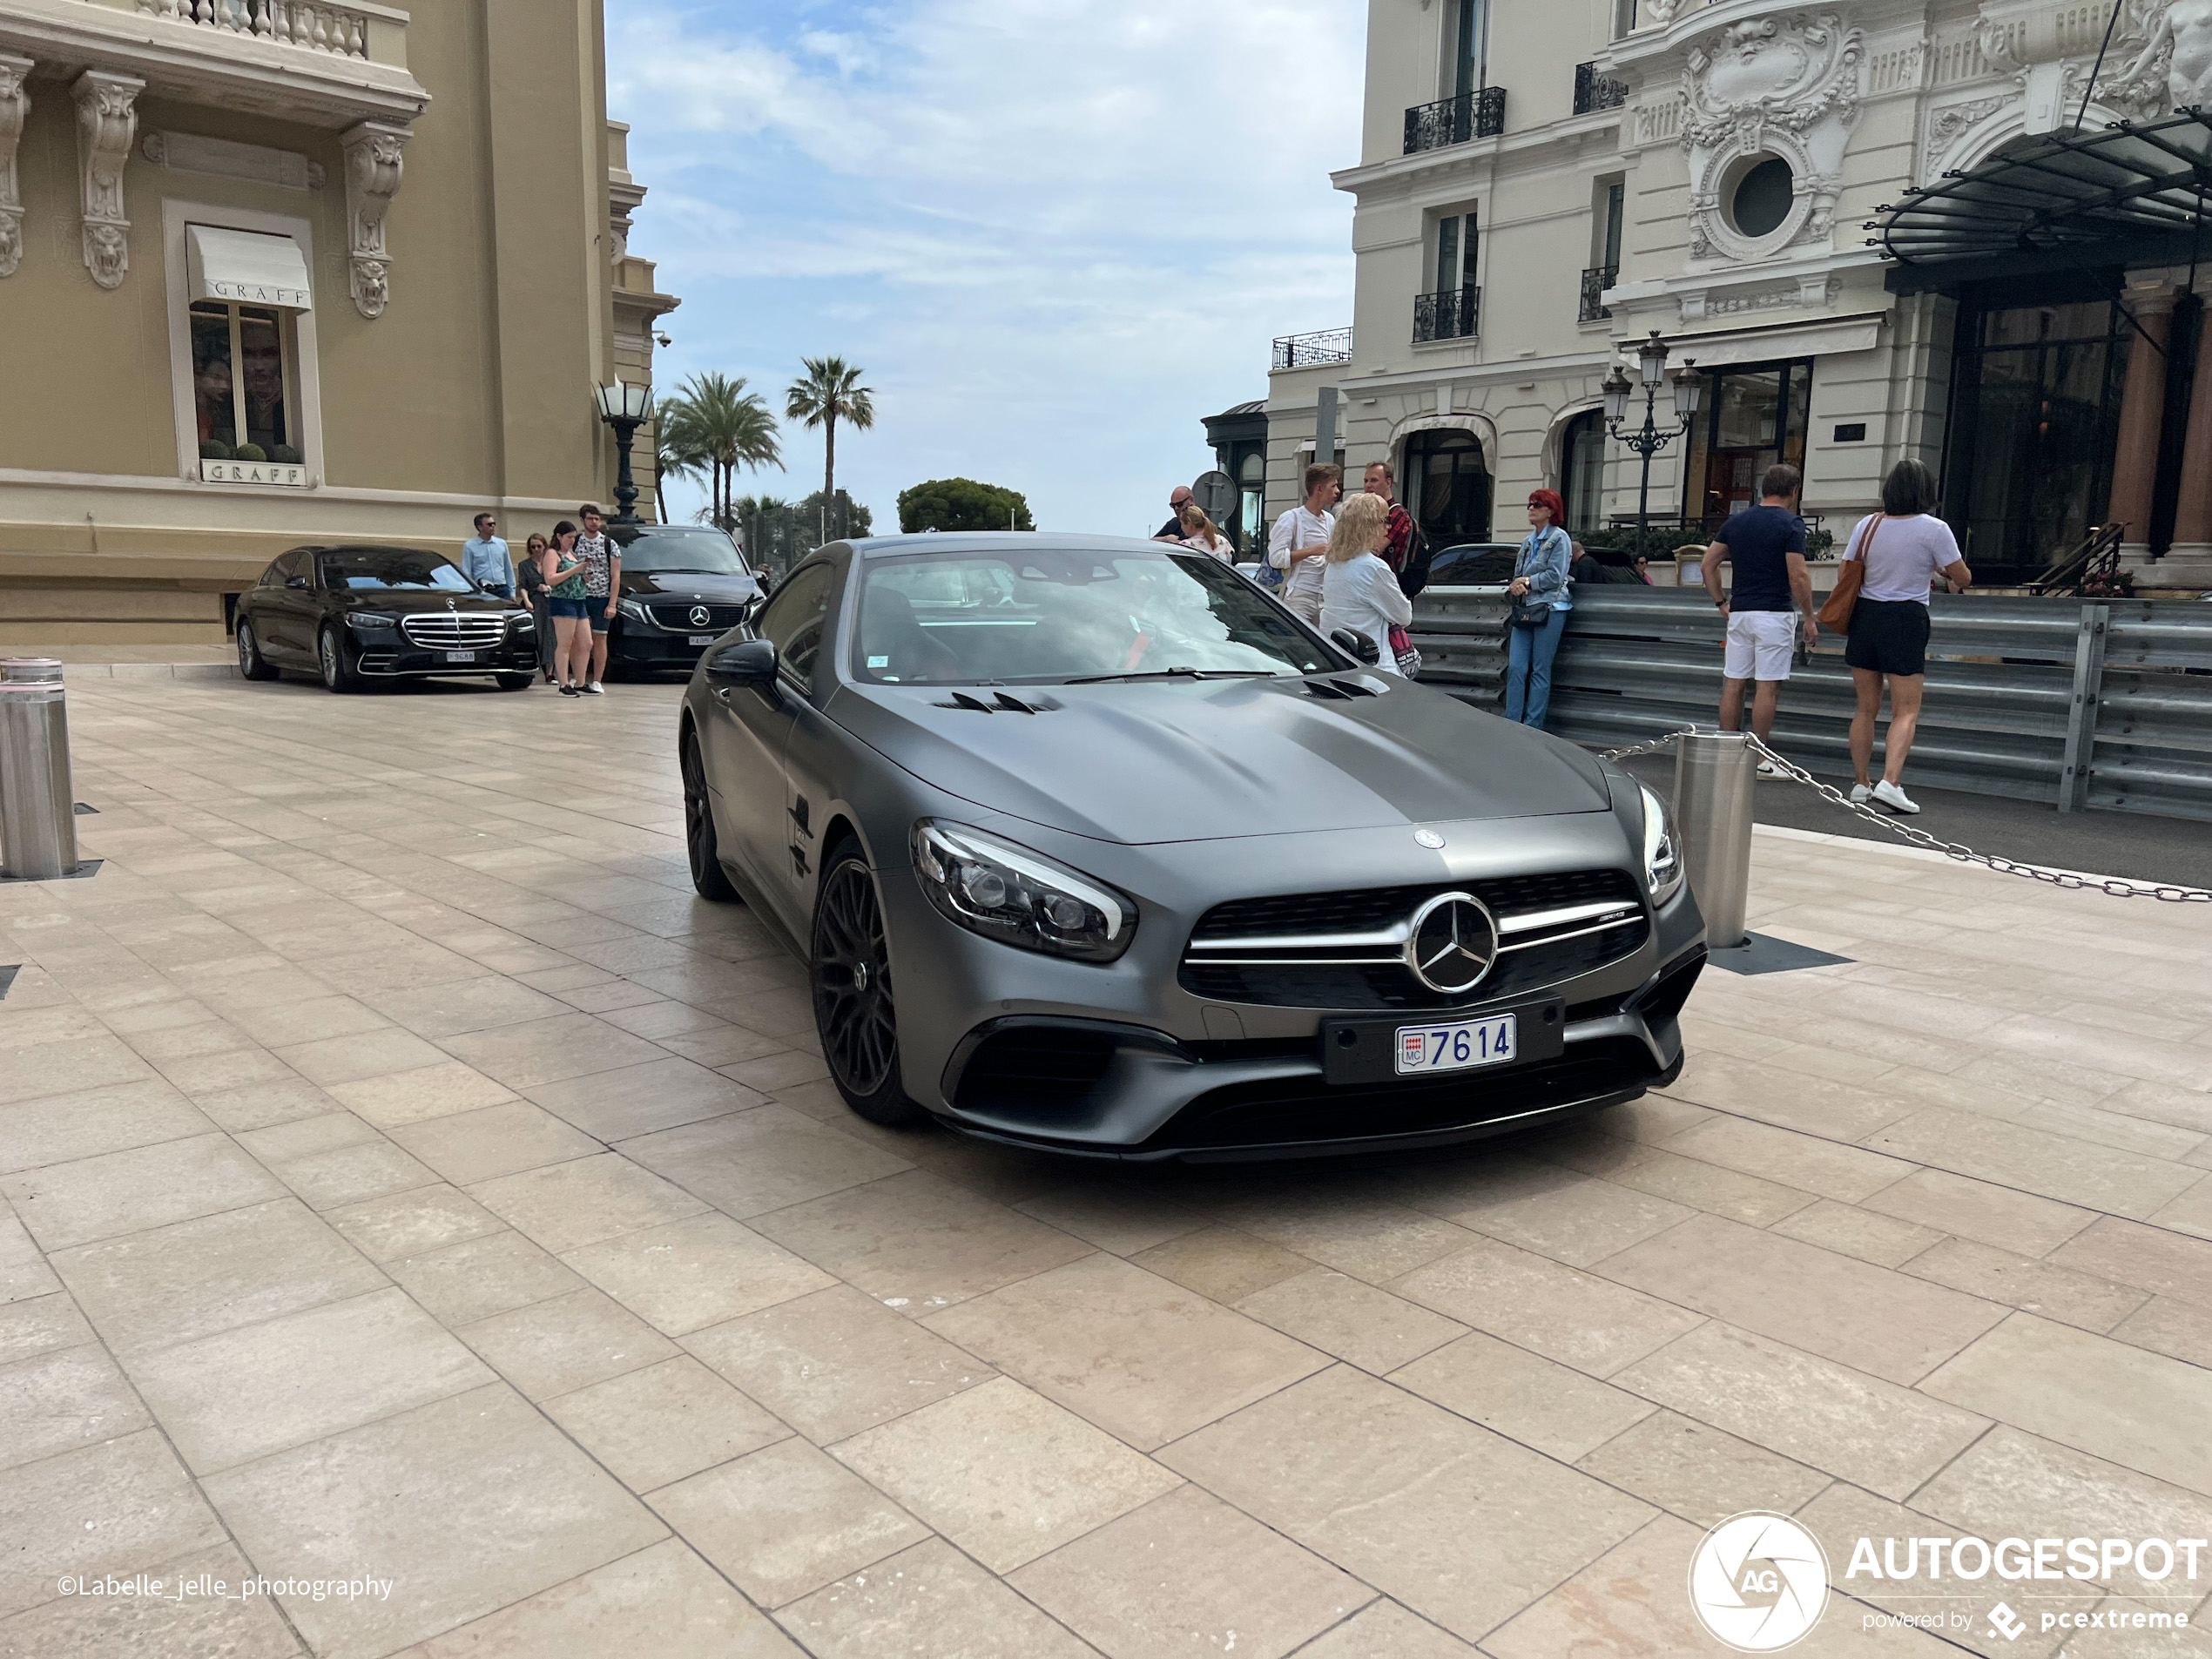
1055 233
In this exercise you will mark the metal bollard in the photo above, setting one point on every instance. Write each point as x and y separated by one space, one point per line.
1714 778
37 807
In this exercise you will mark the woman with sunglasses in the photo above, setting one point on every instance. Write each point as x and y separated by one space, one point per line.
1539 590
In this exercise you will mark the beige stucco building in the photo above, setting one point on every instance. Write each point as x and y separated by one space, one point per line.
1542 182
280 270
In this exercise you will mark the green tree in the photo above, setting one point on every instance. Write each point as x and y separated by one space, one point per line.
829 392
714 426
778 534
961 504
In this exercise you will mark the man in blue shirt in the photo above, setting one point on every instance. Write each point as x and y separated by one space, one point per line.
1766 544
484 561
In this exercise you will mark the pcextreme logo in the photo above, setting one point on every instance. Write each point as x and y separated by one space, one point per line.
1758 1582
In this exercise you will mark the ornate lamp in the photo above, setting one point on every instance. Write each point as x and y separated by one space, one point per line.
625 406
1650 438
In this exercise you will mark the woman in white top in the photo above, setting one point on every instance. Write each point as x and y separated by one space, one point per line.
1902 551
1358 592
1201 533
1299 538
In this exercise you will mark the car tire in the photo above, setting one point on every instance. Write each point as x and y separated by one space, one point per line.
514 682
849 971
708 876
251 664
330 653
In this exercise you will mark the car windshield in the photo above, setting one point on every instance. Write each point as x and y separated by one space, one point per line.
696 552
1050 616
392 567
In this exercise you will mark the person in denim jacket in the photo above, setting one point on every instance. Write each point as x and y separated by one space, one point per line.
1539 574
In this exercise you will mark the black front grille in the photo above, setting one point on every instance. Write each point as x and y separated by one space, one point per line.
1287 1111
677 617
1385 986
1043 1070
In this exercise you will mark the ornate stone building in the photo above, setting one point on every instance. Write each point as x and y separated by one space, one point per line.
1544 183
281 271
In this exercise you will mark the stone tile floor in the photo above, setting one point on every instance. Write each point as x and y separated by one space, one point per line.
403 1175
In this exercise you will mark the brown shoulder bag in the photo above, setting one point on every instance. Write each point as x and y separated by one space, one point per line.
1835 615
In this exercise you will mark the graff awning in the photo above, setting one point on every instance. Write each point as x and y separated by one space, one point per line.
2132 193
246 265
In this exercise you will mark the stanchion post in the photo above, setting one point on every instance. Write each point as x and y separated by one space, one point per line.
37 806
1714 778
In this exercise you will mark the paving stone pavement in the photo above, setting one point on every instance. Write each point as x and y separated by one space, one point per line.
403 1175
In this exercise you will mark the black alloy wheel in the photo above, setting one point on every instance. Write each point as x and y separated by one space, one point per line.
853 1012
331 653
708 876
251 664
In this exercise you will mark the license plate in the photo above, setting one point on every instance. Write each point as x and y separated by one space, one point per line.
460 656
1458 1047
703 639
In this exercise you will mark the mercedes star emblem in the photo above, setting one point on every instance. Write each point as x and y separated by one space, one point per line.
1451 943
701 615
1431 839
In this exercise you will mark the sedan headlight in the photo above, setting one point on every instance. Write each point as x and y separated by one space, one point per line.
522 622
1662 870
366 620
635 611
1018 898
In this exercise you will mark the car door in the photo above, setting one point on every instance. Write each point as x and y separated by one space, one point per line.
748 729
812 750
285 637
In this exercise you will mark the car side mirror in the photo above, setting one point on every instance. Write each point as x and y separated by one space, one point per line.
295 581
1357 645
749 662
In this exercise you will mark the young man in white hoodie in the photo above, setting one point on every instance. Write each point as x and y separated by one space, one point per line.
1301 536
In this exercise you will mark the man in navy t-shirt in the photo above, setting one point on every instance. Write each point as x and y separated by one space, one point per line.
1766 544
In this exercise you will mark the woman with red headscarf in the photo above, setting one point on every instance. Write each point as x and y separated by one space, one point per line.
1540 608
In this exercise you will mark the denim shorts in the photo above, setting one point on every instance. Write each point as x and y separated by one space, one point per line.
596 608
555 606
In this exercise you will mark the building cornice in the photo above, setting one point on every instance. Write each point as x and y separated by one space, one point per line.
1526 147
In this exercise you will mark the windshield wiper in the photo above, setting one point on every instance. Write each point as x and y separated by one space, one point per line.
1178 673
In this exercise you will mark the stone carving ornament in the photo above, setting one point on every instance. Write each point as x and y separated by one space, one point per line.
107 125
1789 87
15 105
2172 70
372 169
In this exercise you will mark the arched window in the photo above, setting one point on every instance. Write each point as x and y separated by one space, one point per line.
1581 470
1447 487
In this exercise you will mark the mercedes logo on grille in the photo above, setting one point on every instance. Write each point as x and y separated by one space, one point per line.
1452 943
701 615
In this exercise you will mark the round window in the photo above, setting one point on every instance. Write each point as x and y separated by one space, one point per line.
1762 198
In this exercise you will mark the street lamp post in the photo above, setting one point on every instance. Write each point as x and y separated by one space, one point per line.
625 406
1650 438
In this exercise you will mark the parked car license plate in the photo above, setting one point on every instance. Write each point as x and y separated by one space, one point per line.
1458 1047
703 639
460 656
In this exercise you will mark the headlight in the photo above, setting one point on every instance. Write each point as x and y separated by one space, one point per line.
1662 870
1013 895
370 619
522 621
632 609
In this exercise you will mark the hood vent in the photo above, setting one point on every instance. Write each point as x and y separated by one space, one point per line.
1340 691
1003 703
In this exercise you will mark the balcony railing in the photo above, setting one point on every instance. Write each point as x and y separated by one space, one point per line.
1324 345
1595 282
1452 314
1594 92
336 29
1480 114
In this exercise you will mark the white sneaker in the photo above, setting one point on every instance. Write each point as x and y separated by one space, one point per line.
595 689
1893 797
1861 794
1767 769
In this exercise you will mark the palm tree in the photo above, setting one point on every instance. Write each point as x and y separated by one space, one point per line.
830 392
714 424
669 462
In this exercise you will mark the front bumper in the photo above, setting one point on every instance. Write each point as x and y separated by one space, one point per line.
382 658
646 645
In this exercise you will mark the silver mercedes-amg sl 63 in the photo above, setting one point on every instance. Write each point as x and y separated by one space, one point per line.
1089 844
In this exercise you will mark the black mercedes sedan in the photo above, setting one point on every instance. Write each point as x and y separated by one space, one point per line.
356 614
1089 844
684 586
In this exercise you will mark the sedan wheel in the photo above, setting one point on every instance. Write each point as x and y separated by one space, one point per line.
336 677
853 1012
708 876
251 664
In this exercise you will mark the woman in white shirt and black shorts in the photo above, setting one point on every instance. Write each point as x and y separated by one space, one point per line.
1902 549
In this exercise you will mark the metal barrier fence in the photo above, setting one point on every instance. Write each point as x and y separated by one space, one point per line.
2072 705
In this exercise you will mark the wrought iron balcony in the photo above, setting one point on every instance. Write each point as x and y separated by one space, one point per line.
1324 345
1452 314
1480 114
1594 92
1595 282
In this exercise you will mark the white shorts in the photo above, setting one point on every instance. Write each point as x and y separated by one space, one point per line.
1760 644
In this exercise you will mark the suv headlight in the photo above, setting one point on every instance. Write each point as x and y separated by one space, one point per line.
635 611
1662 870
1018 898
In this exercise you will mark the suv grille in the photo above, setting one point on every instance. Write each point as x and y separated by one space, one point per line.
676 618
1345 950
454 630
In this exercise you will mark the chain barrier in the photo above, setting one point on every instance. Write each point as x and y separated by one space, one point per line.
1920 837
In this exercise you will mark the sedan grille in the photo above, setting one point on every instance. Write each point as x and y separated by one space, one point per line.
454 630
1346 950
697 618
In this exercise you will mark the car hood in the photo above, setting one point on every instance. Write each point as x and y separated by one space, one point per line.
704 586
402 602
1142 762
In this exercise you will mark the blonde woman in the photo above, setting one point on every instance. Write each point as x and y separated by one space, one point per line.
1358 590
1201 533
